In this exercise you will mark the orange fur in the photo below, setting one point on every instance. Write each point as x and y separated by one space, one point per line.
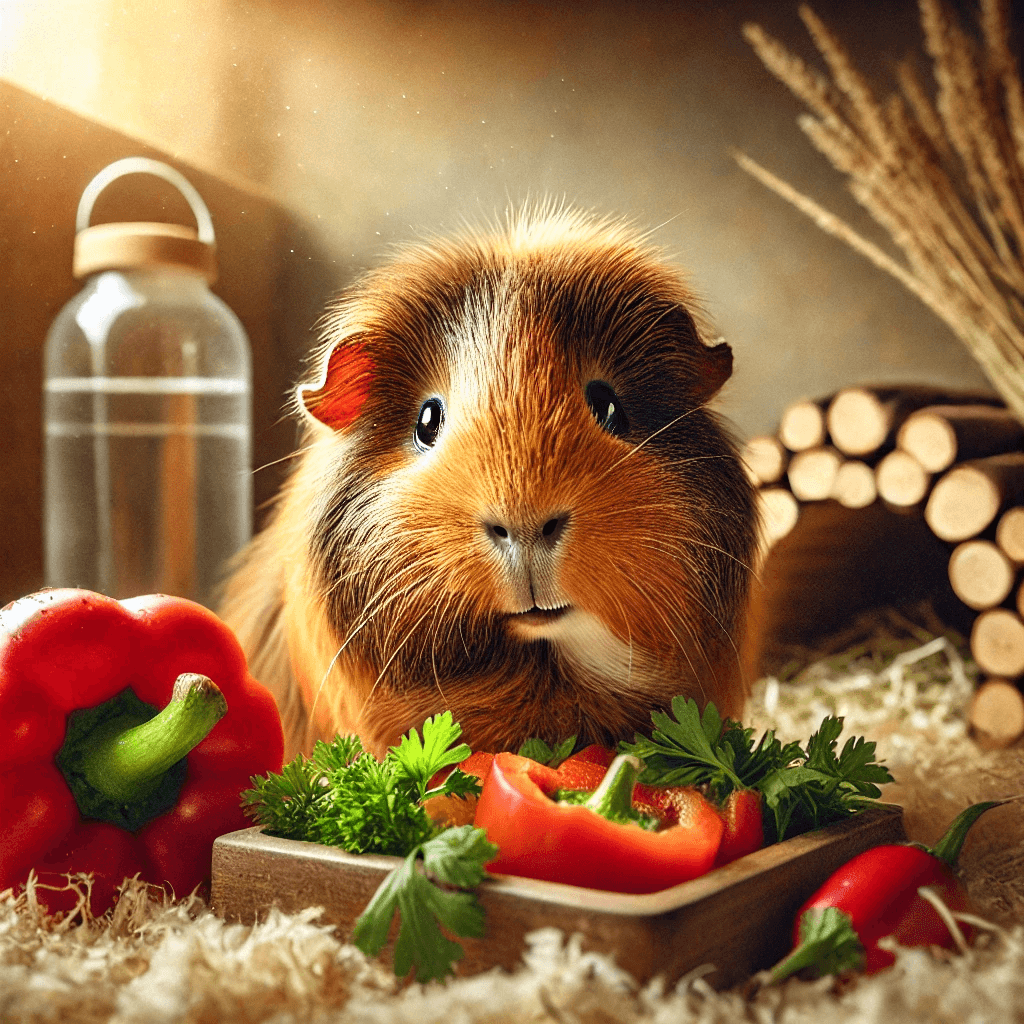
380 593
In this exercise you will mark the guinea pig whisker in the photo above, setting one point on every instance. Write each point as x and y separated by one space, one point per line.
657 609
722 551
455 622
693 597
284 458
683 545
433 654
651 436
655 545
465 646
629 638
695 635
394 654
367 618
364 570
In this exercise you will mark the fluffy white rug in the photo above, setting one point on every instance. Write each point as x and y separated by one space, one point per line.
160 961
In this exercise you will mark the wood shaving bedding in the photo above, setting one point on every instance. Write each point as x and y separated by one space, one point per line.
158 960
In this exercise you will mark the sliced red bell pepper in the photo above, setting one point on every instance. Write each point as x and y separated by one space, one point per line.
744 828
875 895
741 813
539 838
64 655
478 764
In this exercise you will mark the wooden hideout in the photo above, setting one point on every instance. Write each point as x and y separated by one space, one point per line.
886 496
737 918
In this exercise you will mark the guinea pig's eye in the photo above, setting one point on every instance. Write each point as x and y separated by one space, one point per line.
429 424
607 409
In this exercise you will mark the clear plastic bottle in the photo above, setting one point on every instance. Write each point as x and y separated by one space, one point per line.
147 482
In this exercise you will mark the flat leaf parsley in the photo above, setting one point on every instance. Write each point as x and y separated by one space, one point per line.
537 750
804 788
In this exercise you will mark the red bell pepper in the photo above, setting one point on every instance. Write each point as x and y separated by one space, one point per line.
741 812
876 895
560 842
92 779
744 828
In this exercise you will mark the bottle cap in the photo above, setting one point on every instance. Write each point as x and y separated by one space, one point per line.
123 246
142 244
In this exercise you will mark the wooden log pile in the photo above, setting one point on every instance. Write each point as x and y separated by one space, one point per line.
876 478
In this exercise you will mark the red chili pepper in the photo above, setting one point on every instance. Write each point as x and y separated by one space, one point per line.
876 895
81 679
575 844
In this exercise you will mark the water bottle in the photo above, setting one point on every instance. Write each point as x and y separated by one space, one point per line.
147 394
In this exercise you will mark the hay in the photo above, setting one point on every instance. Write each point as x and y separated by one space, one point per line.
944 178
159 960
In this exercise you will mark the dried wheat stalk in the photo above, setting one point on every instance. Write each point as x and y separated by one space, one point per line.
944 177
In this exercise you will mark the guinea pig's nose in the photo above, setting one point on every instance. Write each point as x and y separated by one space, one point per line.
509 537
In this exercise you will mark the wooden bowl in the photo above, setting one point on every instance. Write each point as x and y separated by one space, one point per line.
738 917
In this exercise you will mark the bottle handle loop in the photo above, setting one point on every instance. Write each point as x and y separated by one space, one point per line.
145 165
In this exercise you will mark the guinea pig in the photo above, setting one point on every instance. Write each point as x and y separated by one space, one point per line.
511 502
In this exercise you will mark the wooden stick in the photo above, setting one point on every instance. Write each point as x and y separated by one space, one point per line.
812 473
940 435
901 479
996 715
765 459
997 643
1010 534
779 513
980 574
803 425
854 485
968 498
861 419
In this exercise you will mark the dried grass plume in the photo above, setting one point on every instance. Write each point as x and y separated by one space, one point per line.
942 172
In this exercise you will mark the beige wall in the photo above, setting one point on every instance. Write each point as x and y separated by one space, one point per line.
372 121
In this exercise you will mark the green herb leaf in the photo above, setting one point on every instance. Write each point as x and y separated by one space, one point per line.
456 857
289 804
459 784
370 932
420 760
686 751
368 811
421 943
538 750
802 789
341 751
828 944
342 796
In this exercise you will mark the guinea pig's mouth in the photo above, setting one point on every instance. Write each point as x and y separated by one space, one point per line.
537 616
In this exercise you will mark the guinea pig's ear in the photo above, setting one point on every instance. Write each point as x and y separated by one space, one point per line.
337 398
714 368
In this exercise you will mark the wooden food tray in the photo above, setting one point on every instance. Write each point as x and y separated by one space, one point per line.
738 917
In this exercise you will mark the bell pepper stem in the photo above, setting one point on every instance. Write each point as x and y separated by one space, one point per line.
613 798
126 760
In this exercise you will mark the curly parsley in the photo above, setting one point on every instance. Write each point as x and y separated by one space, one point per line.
343 796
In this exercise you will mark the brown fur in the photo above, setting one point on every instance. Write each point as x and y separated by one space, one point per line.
376 597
